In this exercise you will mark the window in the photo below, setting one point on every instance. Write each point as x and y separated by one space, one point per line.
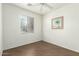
27 24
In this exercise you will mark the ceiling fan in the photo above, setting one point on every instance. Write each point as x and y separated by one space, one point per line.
41 5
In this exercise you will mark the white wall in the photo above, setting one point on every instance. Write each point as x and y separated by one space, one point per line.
0 29
12 35
67 37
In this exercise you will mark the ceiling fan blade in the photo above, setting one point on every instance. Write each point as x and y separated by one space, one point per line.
48 6
33 4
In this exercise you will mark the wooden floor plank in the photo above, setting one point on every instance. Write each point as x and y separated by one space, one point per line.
40 48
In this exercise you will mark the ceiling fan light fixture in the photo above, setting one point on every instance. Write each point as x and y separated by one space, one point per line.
29 4
42 3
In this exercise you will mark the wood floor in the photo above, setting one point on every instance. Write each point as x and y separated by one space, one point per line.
40 48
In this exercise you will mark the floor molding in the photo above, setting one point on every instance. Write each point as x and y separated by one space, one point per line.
61 46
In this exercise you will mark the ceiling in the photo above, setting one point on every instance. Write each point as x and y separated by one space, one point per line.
36 7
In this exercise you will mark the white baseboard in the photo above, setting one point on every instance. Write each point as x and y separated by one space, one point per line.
21 44
61 46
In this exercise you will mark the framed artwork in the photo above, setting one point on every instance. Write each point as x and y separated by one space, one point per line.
27 23
57 23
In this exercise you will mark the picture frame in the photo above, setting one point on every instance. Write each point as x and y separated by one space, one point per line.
58 23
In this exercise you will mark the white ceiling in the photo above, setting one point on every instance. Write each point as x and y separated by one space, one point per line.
36 7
